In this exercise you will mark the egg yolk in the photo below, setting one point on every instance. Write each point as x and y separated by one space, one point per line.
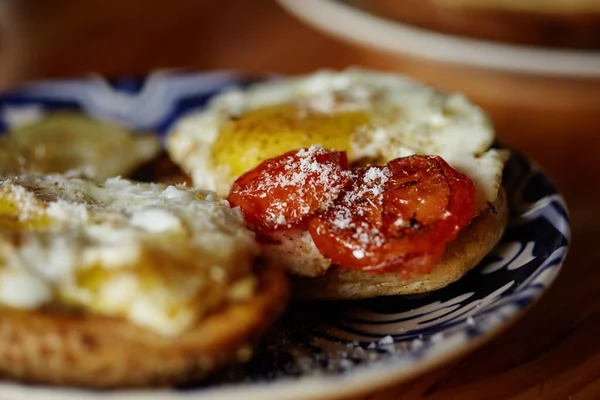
260 134
12 218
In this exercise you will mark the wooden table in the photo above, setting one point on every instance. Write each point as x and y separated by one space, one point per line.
554 352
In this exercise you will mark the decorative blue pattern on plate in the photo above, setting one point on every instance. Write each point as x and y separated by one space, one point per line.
344 347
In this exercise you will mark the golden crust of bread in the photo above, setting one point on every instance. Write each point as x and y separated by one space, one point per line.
464 253
94 351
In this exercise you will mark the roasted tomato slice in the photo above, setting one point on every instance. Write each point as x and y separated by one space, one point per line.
396 217
284 190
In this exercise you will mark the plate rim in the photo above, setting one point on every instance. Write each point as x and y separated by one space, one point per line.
311 387
354 24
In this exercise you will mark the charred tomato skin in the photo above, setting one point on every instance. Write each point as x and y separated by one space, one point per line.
283 191
397 217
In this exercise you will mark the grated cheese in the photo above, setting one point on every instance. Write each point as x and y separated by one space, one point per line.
371 186
300 185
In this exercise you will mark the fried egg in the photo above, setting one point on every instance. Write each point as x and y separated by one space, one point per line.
70 142
158 256
374 116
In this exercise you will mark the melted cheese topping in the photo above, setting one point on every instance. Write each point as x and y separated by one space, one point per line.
371 115
161 257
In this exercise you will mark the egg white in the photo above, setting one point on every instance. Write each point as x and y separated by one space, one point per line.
426 121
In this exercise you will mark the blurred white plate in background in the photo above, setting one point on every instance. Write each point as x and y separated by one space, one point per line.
348 21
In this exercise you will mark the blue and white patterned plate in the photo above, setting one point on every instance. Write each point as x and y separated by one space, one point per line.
331 350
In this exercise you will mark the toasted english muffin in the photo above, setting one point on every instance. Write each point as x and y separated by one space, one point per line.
374 118
82 349
472 244
126 284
